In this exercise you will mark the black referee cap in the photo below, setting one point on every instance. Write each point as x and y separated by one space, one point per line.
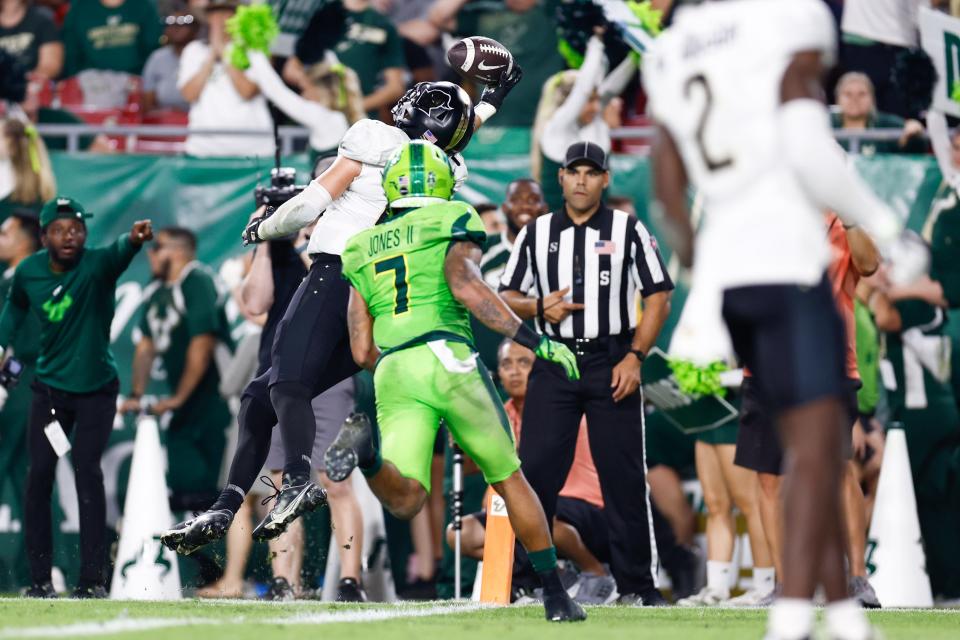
586 152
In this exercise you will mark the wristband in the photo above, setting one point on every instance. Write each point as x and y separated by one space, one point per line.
527 337
641 356
540 309
484 111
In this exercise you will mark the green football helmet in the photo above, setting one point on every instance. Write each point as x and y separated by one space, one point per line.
418 174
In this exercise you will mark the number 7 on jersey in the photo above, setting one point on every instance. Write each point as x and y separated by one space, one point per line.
397 264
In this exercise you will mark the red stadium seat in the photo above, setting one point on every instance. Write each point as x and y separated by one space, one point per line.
156 144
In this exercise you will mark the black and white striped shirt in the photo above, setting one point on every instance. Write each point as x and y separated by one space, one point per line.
604 261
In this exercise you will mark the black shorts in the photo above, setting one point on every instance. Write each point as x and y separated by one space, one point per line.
758 442
312 346
792 338
590 523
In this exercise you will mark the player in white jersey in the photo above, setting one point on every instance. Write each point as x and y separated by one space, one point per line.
311 350
735 89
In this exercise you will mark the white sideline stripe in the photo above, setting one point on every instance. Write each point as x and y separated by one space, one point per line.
124 625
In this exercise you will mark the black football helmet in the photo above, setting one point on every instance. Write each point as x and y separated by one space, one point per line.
438 112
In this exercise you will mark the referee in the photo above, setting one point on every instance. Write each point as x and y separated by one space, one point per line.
577 271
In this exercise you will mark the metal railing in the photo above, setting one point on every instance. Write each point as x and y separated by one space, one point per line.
290 135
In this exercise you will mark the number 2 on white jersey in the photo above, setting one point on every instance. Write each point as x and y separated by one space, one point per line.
712 163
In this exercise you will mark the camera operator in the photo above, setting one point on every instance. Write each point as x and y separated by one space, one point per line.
71 291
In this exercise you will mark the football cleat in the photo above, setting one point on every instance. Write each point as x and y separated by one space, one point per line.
652 598
560 607
280 591
707 597
44 590
187 537
89 592
861 591
292 501
355 445
350 590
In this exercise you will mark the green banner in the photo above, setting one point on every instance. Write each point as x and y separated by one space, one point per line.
214 198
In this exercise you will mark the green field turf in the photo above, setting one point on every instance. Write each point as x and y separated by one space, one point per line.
238 620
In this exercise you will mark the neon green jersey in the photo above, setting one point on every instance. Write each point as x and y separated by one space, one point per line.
397 267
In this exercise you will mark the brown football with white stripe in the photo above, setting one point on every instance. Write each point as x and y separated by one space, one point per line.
481 59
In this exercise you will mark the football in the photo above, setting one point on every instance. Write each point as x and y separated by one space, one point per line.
481 59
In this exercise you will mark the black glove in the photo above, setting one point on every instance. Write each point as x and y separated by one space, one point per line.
251 235
493 94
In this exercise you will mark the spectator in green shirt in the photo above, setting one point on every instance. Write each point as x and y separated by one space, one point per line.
112 35
371 47
70 289
525 27
858 111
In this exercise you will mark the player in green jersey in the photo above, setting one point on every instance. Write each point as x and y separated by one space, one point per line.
415 281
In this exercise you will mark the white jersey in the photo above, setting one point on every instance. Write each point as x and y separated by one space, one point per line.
713 79
371 143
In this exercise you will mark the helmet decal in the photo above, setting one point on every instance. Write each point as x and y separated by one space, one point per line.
434 103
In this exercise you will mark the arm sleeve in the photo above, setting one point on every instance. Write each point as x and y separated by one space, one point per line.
14 312
117 257
618 79
647 268
297 212
200 299
468 227
587 78
309 114
825 175
518 275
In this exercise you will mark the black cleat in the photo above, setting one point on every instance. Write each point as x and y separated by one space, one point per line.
292 501
350 590
280 591
355 445
187 537
89 592
44 590
652 598
560 607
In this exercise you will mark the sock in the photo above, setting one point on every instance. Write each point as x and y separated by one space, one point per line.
791 619
764 579
372 468
718 576
543 560
230 499
846 620
545 564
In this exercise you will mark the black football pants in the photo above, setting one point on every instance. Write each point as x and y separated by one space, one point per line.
552 412
87 418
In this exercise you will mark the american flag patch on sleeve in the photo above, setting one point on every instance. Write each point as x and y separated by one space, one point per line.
605 247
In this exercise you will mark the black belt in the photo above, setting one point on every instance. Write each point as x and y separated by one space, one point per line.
585 346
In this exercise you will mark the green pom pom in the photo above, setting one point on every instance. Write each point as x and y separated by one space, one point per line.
955 91
698 381
252 28
649 17
573 57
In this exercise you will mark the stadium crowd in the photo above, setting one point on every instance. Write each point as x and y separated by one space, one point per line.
167 62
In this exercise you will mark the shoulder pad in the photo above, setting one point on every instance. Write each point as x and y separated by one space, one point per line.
371 142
